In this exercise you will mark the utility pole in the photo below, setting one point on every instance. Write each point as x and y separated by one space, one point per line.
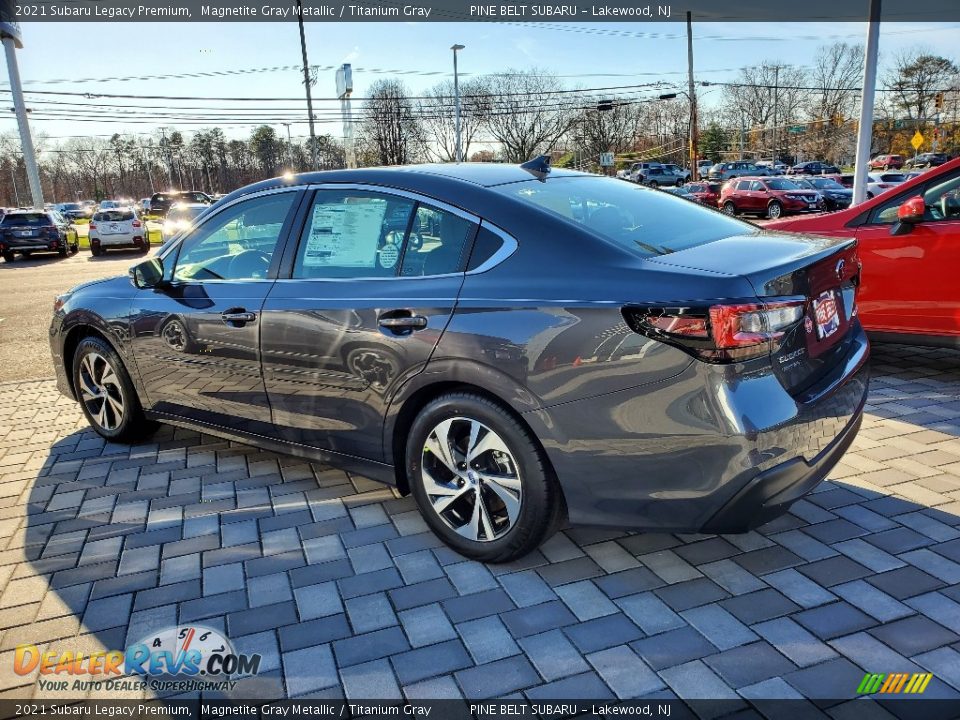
458 154
776 92
743 134
865 134
12 39
13 179
306 85
693 100
289 147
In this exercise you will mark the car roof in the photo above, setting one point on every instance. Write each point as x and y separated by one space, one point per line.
445 176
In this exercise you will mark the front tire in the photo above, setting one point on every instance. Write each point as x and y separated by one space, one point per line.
654 184
774 210
106 393
729 208
480 479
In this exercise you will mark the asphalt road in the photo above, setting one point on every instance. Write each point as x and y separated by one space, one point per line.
27 291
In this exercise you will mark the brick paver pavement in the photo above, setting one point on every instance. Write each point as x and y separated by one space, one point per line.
337 583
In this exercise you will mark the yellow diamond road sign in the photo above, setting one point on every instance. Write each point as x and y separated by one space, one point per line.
916 140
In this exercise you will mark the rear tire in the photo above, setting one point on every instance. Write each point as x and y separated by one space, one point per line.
96 252
9 257
520 503
729 208
774 210
75 248
106 393
62 252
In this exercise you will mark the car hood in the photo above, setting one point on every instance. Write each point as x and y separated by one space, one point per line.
110 285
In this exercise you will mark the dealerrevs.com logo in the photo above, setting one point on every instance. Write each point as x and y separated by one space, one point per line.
181 659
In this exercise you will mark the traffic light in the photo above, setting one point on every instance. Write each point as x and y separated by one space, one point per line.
938 101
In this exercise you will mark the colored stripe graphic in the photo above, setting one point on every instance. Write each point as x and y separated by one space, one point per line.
893 683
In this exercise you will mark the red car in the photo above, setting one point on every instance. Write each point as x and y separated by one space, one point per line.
909 240
770 197
705 193
886 162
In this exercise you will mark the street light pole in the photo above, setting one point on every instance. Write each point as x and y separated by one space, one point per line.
10 33
306 85
865 131
694 174
456 95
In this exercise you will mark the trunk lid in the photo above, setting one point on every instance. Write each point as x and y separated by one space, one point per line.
824 272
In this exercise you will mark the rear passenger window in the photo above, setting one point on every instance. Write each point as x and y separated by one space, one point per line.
353 234
437 243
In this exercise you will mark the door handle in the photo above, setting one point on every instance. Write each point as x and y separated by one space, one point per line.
402 322
237 317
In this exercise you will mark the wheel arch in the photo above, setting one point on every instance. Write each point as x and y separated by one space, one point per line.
93 326
404 411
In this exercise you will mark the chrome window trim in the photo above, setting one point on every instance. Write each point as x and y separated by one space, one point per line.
508 248
387 190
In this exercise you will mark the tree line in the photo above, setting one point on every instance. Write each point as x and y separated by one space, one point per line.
769 109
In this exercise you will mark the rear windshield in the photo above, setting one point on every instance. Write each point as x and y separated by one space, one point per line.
644 221
114 216
893 177
27 219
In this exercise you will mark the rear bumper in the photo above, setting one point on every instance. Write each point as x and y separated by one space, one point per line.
118 241
707 450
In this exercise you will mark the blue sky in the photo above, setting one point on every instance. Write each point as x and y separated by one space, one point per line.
614 53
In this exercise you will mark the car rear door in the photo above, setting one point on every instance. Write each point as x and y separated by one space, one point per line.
371 285
909 279
196 337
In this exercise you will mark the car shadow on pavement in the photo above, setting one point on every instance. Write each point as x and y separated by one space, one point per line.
337 583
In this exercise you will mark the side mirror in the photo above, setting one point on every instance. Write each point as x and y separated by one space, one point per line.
912 210
147 274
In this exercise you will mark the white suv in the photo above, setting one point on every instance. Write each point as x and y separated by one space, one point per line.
117 228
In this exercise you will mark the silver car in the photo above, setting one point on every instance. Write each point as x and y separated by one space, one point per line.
739 168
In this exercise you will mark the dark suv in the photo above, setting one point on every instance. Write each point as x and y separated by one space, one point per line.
30 231
927 160
162 201
814 167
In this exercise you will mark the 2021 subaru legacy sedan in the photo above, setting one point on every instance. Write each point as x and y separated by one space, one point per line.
516 347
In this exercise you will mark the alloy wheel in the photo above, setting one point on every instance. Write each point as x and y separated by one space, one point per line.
101 392
471 479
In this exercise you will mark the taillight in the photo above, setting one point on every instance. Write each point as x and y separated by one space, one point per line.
93 225
719 333
136 223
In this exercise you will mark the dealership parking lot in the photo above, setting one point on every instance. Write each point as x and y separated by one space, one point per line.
344 592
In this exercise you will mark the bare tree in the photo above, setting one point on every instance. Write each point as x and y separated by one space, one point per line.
606 128
914 81
528 115
766 97
438 114
390 133
837 72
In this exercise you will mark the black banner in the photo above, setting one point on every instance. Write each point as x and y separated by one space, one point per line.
471 11
550 709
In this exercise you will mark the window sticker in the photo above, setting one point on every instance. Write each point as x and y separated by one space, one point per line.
344 235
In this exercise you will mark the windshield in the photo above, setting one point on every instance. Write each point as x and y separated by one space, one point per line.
26 219
778 184
184 213
646 222
71 206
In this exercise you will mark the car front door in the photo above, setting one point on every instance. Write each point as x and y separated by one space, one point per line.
909 279
372 285
196 336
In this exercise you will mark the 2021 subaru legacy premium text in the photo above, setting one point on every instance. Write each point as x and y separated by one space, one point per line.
514 346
